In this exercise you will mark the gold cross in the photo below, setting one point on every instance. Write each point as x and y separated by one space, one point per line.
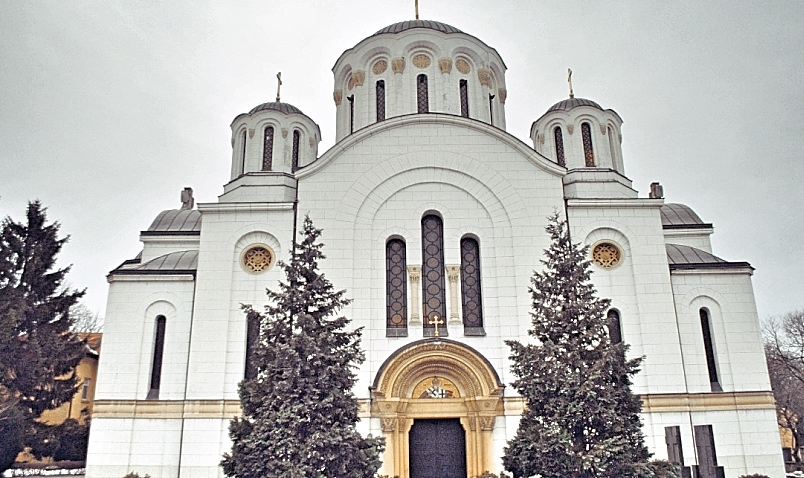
436 321
569 80
417 9
279 84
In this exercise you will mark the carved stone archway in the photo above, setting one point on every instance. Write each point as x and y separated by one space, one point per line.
471 392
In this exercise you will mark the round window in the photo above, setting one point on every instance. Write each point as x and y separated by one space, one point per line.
606 255
257 259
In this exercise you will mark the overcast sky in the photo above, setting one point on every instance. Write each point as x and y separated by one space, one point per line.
109 108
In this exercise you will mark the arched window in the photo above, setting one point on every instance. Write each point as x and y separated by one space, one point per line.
709 348
433 292
614 326
470 287
464 93
268 148
252 339
351 99
422 99
243 152
380 100
396 289
156 364
294 164
559 139
588 152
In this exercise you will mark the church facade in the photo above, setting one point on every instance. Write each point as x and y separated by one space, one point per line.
433 218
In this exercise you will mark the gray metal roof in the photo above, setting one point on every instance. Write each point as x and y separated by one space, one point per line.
570 103
181 261
679 254
678 215
286 108
176 221
411 24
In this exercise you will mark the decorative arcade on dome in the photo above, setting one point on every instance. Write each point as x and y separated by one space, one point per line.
434 219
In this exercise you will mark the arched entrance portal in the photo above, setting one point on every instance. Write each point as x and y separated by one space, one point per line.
436 381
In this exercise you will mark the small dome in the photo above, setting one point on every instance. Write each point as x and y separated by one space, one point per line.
677 215
286 108
411 24
570 103
176 221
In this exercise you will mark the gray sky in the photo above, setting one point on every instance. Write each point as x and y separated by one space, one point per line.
109 108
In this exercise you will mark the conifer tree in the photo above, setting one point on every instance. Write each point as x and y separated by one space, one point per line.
38 353
299 412
581 418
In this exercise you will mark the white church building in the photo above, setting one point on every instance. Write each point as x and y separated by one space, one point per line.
428 207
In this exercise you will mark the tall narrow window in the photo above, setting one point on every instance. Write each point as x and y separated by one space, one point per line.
491 109
709 348
396 289
559 138
85 389
610 134
707 458
588 152
268 148
252 338
433 291
243 152
470 288
464 93
380 100
672 438
422 99
351 113
156 365
294 164
614 326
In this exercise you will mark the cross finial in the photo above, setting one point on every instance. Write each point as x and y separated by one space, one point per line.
278 85
436 321
417 9
569 80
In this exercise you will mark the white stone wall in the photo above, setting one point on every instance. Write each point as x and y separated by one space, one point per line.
696 238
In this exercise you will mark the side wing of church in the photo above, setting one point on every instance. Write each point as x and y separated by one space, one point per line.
431 213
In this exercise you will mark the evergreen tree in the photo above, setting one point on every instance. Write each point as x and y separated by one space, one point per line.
299 413
581 418
38 353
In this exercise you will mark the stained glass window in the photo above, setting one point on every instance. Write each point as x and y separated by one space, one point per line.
294 165
351 113
588 152
422 99
464 87
267 148
709 348
396 289
470 287
491 109
156 364
433 292
614 326
559 138
380 100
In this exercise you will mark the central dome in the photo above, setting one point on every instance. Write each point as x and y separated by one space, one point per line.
411 24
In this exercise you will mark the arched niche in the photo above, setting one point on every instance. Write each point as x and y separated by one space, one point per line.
472 392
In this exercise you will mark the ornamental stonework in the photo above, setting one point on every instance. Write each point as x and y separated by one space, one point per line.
421 61
484 76
356 79
445 65
463 66
606 255
398 65
502 94
251 132
337 95
379 67
257 259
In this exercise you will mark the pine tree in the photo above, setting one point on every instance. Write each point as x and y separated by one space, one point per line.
299 413
38 353
581 418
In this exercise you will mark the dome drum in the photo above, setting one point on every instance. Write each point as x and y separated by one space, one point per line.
416 67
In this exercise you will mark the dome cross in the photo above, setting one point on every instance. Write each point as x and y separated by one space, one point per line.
278 85
569 80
